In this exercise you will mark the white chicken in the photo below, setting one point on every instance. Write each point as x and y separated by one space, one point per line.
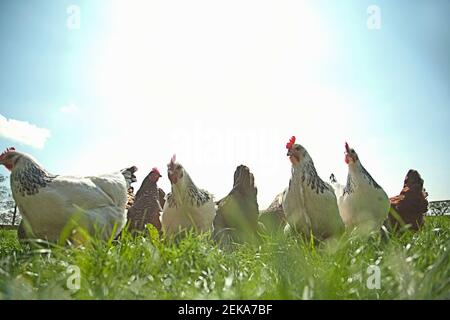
338 188
50 203
309 203
187 207
362 202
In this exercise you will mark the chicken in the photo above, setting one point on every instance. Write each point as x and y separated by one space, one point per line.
147 206
273 218
130 198
338 188
237 213
187 207
411 205
362 203
309 203
53 205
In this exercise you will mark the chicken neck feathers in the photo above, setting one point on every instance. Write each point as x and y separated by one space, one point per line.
354 178
306 174
189 195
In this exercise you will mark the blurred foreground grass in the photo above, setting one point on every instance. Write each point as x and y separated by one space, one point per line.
412 266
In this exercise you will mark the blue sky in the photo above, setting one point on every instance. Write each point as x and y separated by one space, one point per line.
224 83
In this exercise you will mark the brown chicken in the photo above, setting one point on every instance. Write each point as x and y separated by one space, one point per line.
148 204
130 198
410 206
237 213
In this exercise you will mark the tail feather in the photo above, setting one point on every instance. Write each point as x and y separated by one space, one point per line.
338 188
128 173
333 178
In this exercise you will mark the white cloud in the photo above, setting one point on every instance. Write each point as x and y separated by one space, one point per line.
69 109
23 132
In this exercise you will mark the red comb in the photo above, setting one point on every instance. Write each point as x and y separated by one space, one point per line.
290 143
347 148
155 170
7 150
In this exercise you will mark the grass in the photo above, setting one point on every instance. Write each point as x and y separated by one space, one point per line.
412 266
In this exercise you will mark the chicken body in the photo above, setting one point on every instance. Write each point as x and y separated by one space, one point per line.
187 207
338 188
362 203
50 204
237 213
411 204
148 204
309 203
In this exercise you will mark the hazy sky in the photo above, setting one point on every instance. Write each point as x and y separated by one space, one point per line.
222 83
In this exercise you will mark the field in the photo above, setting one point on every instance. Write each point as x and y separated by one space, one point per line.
409 266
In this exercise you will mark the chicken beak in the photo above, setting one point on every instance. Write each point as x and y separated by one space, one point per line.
292 157
8 165
289 153
173 179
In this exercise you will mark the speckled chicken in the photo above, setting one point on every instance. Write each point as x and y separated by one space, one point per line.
309 203
130 198
187 207
411 205
51 204
148 204
237 213
363 204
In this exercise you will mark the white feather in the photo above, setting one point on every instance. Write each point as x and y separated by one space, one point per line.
96 203
311 211
187 214
366 207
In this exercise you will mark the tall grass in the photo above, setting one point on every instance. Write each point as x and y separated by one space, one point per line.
412 266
